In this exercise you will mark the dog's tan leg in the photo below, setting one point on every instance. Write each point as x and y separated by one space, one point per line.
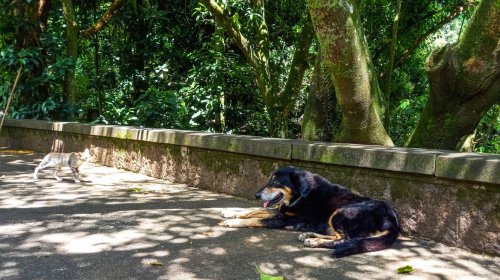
261 213
315 240
240 223
306 235
335 233
250 213
320 242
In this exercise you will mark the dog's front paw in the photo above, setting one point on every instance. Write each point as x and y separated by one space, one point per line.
232 223
229 213
306 235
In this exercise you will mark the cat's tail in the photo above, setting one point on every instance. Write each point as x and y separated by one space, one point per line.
42 165
35 174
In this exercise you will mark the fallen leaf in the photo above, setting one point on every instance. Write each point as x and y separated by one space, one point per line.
264 276
157 264
134 190
405 269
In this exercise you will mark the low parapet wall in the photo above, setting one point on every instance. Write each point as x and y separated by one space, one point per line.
441 195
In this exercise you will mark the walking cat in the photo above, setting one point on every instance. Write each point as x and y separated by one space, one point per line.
58 160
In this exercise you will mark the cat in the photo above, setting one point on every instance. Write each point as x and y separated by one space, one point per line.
72 160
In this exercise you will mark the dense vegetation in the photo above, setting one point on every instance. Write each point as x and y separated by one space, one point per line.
243 67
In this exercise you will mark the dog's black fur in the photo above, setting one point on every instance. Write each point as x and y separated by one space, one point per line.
334 216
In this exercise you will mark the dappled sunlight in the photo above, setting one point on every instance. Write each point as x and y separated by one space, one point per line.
319 260
118 225
82 242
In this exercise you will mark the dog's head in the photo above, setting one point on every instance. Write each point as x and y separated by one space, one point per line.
285 187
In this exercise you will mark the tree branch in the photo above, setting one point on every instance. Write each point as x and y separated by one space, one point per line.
410 50
298 66
104 20
222 18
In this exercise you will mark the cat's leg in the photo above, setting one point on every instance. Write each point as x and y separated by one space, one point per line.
56 169
76 174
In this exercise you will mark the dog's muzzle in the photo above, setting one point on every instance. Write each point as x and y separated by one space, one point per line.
270 199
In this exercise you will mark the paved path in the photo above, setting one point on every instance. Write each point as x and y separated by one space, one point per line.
98 229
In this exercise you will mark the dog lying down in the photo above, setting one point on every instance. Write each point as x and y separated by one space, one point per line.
331 215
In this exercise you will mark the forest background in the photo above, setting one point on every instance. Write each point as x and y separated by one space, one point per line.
405 73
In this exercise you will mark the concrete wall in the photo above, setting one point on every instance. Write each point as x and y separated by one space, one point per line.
441 195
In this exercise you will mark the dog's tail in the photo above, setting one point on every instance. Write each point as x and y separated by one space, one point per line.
374 243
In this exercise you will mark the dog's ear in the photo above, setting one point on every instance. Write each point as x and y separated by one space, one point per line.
299 179
305 187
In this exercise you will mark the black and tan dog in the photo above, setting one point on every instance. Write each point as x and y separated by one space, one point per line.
331 215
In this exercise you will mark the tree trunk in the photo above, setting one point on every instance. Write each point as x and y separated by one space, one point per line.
464 82
37 18
321 117
71 50
219 110
137 59
390 66
346 56
97 67
300 63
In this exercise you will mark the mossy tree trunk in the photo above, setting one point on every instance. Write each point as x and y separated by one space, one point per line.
464 82
72 30
279 100
346 57
321 117
36 16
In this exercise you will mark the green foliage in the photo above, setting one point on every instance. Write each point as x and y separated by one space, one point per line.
165 64
29 102
487 138
219 86
38 93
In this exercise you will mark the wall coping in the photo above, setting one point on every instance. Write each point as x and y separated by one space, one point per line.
439 163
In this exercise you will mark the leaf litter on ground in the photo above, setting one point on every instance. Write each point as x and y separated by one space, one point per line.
405 269
264 276
157 264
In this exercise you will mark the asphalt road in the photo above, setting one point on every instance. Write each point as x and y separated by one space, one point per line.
101 229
